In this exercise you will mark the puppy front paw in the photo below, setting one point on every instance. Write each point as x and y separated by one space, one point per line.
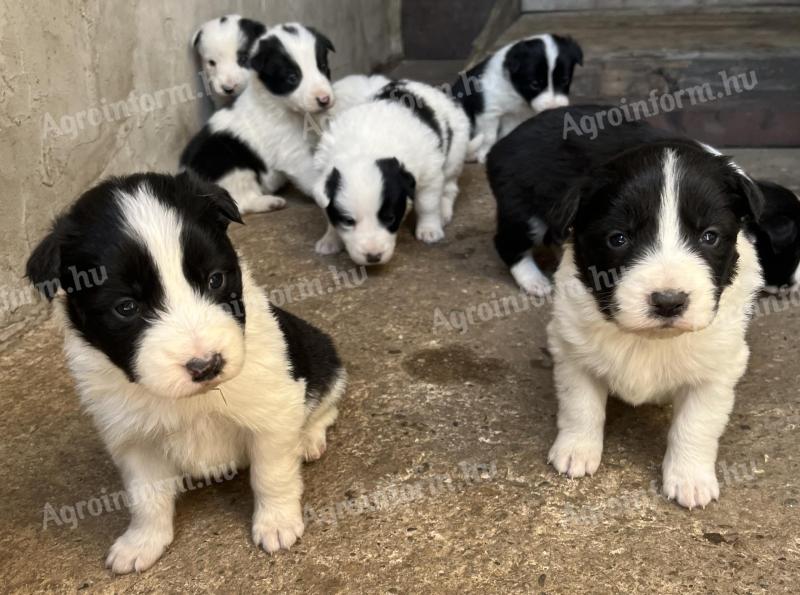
691 486
276 528
315 443
430 233
265 203
327 245
136 550
576 456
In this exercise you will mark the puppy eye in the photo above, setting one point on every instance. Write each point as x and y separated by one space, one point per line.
126 308
617 240
347 222
216 280
709 238
212 63
292 79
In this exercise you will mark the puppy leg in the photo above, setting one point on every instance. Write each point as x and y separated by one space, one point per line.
277 487
581 416
330 243
245 188
319 420
151 485
699 418
272 181
449 196
488 125
428 204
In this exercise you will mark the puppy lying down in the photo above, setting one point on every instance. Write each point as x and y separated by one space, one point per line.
180 359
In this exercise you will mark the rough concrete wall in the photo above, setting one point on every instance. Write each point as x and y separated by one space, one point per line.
66 64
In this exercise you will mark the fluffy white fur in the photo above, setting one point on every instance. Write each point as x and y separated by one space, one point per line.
217 45
356 89
504 108
277 128
695 365
358 137
161 428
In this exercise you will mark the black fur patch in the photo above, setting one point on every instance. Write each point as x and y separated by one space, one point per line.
569 54
332 186
468 91
526 64
398 92
251 31
778 234
275 67
99 264
213 155
311 353
399 186
291 29
323 45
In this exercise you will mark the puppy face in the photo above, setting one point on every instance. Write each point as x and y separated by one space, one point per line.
169 313
655 234
292 62
540 69
366 202
778 236
223 46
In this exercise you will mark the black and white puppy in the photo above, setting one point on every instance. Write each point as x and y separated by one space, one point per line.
653 298
519 80
531 170
407 144
179 357
223 47
253 146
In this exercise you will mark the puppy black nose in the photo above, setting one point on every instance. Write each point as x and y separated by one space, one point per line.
324 100
669 304
202 370
374 258
228 90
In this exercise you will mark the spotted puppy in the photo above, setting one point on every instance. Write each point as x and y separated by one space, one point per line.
252 147
407 144
520 79
181 360
653 298
223 47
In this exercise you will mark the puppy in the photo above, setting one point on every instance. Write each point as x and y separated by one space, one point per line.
181 360
223 47
356 89
652 301
251 148
531 170
517 81
408 143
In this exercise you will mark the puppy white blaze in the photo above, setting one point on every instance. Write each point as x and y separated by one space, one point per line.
669 265
549 99
188 325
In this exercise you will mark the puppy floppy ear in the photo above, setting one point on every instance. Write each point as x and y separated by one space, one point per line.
563 212
570 48
393 170
196 39
781 230
43 268
261 53
224 207
327 188
748 198
323 40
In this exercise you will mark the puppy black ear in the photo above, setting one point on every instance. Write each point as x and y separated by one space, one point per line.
563 212
781 230
571 48
43 268
322 39
252 30
394 171
261 55
196 38
225 207
749 200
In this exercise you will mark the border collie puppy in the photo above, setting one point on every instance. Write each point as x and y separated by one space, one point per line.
181 360
531 170
519 80
253 146
652 302
223 47
408 143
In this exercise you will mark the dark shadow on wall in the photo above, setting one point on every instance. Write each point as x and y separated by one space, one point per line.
442 29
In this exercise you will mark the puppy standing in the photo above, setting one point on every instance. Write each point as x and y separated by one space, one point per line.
180 359
653 297
519 80
223 47
408 143
251 148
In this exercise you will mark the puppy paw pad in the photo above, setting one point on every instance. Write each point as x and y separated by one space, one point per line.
575 456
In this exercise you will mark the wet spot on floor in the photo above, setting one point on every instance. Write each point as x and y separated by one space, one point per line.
454 364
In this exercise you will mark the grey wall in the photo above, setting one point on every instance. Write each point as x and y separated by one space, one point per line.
63 61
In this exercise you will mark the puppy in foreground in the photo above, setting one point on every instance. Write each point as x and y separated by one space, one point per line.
180 359
652 301
405 145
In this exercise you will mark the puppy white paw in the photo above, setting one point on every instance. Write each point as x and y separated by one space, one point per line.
430 234
326 246
315 443
276 528
136 550
540 286
690 486
575 456
265 203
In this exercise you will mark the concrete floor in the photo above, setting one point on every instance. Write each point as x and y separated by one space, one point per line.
448 430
